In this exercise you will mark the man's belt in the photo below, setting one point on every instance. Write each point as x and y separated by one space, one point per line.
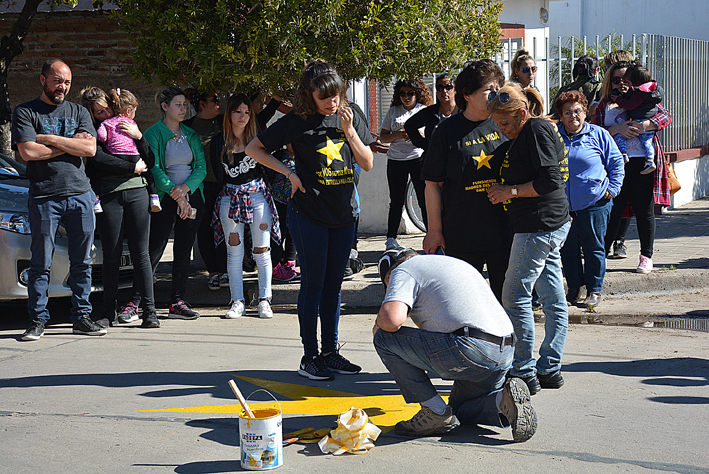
478 334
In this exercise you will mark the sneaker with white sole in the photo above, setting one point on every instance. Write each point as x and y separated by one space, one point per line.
391 243
89 328
338 363
516 406
224 280
236 310
314 368
181 310
128 313
427 423
649 167
213 282
645 265
264 310
34 331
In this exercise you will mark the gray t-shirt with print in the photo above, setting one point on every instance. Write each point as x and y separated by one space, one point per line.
445 294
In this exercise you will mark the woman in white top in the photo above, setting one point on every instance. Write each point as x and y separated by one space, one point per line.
404 159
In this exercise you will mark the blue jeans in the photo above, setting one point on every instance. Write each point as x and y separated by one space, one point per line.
477 367
323 254
535 263
645 142
259 238
76 213
588 232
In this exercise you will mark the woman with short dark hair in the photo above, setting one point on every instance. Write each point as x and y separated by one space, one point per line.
327 139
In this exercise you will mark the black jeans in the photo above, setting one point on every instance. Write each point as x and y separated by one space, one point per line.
398 173
286 251
639 189
125 211
185 232
214 257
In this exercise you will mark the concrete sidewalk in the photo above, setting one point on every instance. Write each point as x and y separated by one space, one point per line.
681 262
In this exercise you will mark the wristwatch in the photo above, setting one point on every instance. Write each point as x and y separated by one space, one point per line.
514 191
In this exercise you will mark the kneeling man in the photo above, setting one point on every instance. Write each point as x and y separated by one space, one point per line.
463 335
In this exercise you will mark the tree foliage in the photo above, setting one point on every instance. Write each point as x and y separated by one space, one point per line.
231 44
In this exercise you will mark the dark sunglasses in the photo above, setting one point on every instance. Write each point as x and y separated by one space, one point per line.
446 87
407 93
526 70
616 80
216 99
503 97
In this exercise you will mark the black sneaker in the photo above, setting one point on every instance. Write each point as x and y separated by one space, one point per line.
349 274
620 250
181 310
314 368
150 320
552 380
337 363
213 282
532 383
128 314
89 328
516 406
34 331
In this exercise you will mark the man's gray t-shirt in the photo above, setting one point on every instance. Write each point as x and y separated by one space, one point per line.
446 294
62 175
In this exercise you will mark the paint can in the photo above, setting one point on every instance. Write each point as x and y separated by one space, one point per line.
261 438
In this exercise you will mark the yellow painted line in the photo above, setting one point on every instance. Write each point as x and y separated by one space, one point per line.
383 410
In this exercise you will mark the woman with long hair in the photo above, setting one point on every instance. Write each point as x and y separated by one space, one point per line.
244 199
404 159
534 172
524 68
327 139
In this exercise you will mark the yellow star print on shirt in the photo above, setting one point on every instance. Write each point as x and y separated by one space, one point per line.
332 151
483 160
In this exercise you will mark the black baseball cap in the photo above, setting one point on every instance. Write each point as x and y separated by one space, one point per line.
391 258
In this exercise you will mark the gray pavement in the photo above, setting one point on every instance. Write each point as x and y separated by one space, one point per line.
681 262
635 401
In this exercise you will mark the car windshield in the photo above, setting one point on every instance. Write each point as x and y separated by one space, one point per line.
10 168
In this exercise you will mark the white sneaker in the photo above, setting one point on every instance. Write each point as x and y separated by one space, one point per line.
645 265
236 310
391 243
264 310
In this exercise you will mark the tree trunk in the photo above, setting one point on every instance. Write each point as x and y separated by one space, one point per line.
11 47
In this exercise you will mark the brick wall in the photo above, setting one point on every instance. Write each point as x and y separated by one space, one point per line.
93 47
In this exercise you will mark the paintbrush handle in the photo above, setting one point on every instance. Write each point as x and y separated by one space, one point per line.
241 398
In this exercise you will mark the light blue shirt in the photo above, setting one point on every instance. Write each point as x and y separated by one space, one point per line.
595 165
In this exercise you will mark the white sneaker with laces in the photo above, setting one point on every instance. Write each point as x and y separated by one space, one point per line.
391 243
645 265
264 310
236 310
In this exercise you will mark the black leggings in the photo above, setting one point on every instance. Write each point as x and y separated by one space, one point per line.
286 251
639 189
214 257
125 211
398 173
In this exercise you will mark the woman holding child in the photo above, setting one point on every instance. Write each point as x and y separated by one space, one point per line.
125 202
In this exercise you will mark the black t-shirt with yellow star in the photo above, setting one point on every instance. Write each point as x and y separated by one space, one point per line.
324 163
460 154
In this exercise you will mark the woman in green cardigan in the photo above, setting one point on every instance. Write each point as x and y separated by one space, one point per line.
179 170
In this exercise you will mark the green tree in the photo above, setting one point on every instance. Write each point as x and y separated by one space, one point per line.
232 44
11 47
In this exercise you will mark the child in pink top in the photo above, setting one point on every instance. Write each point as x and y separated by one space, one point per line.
119 144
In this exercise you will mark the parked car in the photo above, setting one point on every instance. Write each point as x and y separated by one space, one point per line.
15 242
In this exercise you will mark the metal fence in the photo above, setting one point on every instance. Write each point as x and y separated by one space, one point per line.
679 65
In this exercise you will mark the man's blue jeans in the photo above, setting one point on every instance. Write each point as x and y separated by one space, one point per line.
477 367
588 232
535 263
76 213
323 254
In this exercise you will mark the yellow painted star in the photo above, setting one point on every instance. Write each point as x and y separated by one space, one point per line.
483 160
332 151
383 410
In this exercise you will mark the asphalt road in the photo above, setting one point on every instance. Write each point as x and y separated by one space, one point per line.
636 399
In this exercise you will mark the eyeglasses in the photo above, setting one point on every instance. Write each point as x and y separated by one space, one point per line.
503 97
616 80
526 70
574 113
446 87
407 93
216 99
